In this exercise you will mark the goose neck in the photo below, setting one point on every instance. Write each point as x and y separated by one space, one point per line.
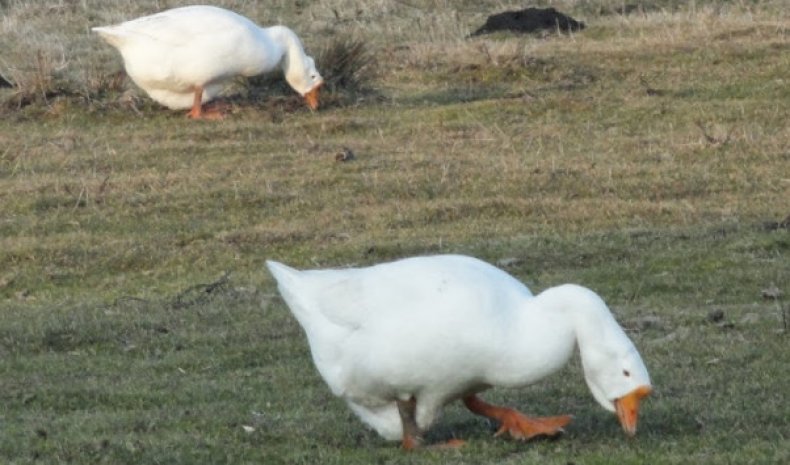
583 309
290 47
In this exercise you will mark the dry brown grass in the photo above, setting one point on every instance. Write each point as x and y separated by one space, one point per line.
646 158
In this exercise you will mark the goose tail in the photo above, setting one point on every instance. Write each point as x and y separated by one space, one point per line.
111 34
285 276
291 285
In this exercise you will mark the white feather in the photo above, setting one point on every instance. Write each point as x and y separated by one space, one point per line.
441 327
168 54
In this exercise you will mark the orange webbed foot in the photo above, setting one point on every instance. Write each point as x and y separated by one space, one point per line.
410 442
210 112
516 423
522 427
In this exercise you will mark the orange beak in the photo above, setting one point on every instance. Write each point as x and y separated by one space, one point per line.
312 97
627 408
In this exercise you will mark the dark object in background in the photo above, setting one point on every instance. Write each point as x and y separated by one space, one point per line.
345 155
4 82
529 20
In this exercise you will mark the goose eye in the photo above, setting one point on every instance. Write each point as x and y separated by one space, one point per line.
626 373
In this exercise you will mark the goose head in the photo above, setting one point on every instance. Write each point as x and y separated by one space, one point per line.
616 375
613 369
303 76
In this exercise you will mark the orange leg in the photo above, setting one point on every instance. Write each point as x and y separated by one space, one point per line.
198 112
412 438
197 104
517 424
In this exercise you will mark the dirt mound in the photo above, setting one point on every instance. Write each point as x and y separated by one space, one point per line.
529 20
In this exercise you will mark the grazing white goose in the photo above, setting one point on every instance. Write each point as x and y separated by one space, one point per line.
183 57
399 340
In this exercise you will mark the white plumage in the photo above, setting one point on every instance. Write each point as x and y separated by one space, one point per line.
438 328
177 53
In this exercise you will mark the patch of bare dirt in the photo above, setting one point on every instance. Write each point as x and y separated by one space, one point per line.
530 20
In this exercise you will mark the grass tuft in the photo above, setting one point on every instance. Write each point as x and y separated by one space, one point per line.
348 69
347 65
37 82
45 81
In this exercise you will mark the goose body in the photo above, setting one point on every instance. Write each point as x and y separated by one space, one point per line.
420 332
184 57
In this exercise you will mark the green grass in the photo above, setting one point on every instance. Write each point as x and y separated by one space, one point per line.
646 157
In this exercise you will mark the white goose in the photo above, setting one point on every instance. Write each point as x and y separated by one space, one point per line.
399 340
183 57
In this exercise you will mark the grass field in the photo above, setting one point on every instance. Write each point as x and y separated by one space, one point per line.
646 157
